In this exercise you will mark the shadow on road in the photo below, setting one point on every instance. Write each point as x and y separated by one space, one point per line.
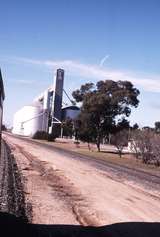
13 226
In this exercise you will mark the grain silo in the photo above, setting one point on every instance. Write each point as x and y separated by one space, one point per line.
44 112
28 120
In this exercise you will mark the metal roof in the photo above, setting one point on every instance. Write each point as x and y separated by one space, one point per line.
73 107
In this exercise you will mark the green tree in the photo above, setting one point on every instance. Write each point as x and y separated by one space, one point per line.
135 126
120 140
103 102
122 124
157 127
67 127
85 132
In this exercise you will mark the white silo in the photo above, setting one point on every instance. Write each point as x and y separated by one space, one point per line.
28 120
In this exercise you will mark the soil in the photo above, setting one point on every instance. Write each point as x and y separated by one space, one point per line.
66 190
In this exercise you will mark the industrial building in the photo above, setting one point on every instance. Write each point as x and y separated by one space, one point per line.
1 102
45 111
71 111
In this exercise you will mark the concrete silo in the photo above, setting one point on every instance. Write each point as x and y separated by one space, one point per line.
44 112
28 120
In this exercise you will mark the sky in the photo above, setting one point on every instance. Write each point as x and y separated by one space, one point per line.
91 40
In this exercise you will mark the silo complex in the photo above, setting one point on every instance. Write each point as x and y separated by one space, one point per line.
45 112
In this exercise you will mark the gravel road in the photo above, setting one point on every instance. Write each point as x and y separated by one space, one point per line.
119 171
68 188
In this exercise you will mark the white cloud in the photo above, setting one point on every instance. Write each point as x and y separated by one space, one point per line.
25 82
148 82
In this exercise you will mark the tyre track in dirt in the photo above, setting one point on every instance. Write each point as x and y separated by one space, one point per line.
64 189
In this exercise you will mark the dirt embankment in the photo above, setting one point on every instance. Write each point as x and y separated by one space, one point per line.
12 198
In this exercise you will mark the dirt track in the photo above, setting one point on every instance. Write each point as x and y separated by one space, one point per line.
70 191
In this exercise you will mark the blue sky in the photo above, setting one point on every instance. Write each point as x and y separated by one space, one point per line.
91 39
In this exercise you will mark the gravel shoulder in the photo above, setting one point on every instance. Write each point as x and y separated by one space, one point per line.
11 188
66 190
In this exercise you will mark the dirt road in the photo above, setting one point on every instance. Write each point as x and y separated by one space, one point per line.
63 189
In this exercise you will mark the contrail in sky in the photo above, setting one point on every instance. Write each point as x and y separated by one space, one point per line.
103 60
149 82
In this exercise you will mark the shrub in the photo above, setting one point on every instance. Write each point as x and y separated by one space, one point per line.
120 140
40 135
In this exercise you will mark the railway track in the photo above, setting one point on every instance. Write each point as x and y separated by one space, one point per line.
11 188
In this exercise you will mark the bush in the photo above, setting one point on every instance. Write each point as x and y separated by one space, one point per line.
77 143
120 140
40 135
51 137
156 149
146 146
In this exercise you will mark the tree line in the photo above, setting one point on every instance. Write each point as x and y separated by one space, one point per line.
105 107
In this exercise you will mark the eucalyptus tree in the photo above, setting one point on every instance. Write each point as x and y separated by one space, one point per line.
103 103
